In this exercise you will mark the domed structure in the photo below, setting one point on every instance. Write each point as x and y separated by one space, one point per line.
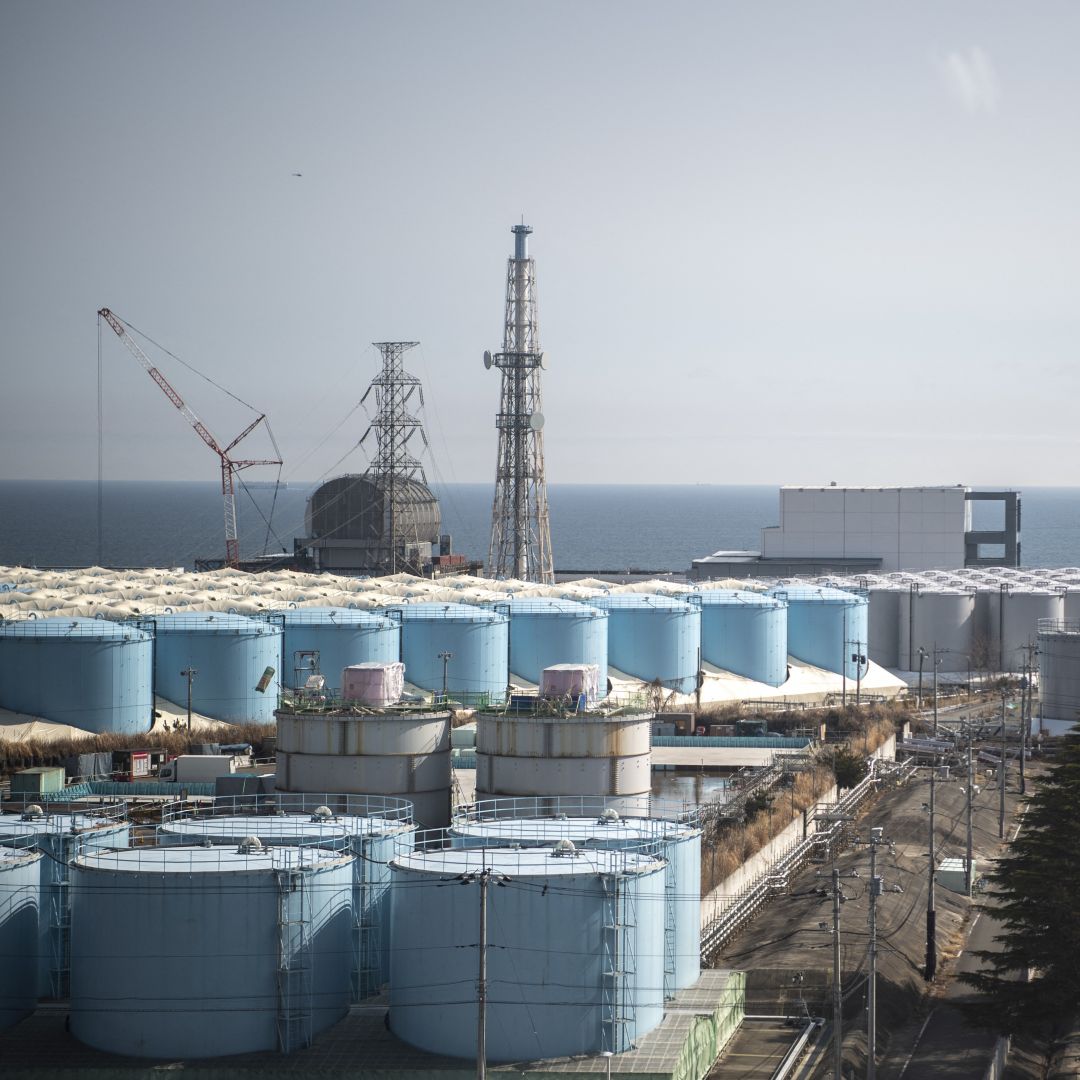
351 519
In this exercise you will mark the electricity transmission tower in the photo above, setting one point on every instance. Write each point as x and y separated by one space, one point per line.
393 470
520 532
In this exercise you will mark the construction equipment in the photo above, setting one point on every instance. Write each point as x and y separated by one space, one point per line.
229 466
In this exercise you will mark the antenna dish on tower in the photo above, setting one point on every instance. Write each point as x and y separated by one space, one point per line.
487 359
536 421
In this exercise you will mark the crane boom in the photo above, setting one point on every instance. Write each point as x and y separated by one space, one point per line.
229 467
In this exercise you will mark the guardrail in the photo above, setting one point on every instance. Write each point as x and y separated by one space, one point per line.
734 918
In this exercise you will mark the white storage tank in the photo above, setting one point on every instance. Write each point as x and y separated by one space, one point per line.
1014 623
20 899
939 618
194 952
1059 675
402 752
374 827
555 754
676 838
61 835
575 950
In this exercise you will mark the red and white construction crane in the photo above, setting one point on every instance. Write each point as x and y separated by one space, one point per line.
229 466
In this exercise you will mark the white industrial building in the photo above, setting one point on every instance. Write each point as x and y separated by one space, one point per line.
878 529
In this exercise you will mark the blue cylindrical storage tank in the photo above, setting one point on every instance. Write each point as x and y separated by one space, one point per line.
231 654
826 626
545 632
61 836
341 636
505 822
744 632
478 640
20 902
91 673
653 637
193 952
553 927
374 827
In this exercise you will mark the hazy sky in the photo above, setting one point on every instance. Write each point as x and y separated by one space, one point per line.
775 242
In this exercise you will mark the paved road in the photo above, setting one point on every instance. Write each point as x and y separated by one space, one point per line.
947 1048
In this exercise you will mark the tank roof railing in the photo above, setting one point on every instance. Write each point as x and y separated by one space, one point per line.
100 813
557 807
68 626
292 804
229 855
434 841
324 703
1058 626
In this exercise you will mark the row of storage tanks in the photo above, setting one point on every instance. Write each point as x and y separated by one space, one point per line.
253 925
111 669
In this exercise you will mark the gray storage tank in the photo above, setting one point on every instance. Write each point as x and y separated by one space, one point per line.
236 660
89 673
548 752
193 952
374 827
1059 675
575 950
402 752
20 900
670 832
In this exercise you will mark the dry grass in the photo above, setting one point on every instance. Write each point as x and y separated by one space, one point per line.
30 753
725 847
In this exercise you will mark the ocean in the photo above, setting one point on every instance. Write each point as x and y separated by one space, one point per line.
593 527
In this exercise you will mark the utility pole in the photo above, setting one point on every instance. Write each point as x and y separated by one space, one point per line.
876 837
931 905
837 992
189 673
922 657
1001 801
481 984
970 784
445 657
935 687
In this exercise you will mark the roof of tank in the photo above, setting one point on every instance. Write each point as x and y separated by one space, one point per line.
334 616
578 829
452 612
212 622
182 859
549 605
641 602
822 594
238 826
54 823
77 627
10 858
733 598
515 863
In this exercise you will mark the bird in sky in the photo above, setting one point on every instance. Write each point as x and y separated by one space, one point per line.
298 174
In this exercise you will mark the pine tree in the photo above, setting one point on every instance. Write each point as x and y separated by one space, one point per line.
1035 895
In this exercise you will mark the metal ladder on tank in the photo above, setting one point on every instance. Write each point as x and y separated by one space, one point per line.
60 918
367 941
671 892
294 964
620 965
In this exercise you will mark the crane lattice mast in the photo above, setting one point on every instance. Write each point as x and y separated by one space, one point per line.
229 466
520 530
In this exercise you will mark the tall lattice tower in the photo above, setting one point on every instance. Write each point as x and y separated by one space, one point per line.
400 495
520 532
